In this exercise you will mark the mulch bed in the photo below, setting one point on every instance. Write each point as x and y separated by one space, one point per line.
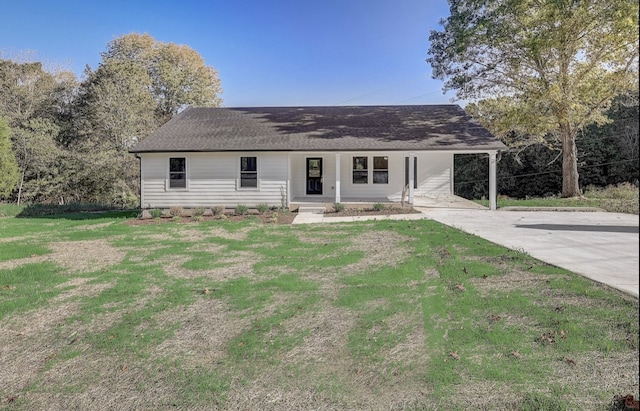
272 217
351 212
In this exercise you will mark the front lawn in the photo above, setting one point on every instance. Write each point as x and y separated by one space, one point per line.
100 314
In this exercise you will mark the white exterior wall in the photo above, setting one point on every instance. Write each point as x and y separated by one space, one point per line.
212 179
434 176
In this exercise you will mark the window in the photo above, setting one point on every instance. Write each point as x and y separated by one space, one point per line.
248 172
360 170
177 172
380 170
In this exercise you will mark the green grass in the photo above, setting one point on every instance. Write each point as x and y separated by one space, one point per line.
370 315
622 198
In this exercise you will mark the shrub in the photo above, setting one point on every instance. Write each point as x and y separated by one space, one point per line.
197 212
378 206
338 207
155 212
263 208
242 209
175 211
217 210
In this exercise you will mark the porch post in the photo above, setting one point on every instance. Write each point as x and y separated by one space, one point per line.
337 177
288 188
412 177
492 181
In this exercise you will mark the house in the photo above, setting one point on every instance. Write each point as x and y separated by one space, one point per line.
294 155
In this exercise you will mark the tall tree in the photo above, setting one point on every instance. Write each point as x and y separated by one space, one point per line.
8 164
36 153
542 69
178 75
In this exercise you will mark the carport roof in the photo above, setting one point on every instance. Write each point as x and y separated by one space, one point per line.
321 128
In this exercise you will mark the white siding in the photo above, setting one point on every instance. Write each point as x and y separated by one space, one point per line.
434 175
212 179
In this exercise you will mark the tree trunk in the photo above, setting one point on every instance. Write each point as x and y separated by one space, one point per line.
20 186
570 187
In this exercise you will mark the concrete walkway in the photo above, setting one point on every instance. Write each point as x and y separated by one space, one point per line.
598 245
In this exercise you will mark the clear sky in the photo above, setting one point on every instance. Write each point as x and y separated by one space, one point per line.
267 52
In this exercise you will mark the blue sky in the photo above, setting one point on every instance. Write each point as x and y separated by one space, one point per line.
267 52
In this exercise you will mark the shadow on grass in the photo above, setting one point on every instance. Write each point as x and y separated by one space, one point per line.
74 212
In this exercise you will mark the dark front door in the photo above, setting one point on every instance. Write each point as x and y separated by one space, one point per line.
314 176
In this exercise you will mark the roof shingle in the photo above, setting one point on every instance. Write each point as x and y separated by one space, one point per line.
339 128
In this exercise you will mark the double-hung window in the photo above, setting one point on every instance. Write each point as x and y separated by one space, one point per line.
360 170
380 170
248 172
177 172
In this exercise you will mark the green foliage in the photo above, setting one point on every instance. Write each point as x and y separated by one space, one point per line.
10 210
539 73
71 140
217 210
155 212
241 209
177 74
9 173
378 206
263 208
607 155
337 207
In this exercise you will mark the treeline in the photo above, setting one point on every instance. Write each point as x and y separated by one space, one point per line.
607 155
64 140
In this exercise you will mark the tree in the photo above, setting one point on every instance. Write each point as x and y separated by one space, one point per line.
8 164
178 75
541 70
36 153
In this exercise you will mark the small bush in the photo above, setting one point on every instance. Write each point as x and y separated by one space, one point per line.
175 211
155 212
338 207
197 212
217 210
242 209
378 206
263 208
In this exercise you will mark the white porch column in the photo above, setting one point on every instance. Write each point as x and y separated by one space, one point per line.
288 188
412 177
337 177
492 181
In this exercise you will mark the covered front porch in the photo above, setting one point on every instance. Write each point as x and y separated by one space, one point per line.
361 179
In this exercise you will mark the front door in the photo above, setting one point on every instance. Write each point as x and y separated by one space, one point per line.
314 176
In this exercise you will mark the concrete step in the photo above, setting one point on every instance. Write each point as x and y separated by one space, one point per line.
311 209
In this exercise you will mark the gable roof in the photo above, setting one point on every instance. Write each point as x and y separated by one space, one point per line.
339 128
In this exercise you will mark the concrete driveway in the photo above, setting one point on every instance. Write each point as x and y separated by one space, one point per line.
598 245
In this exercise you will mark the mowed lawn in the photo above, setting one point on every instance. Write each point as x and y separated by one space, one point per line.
97 313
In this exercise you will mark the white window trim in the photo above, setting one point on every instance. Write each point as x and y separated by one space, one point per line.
353 183
374 169
167 182
239 177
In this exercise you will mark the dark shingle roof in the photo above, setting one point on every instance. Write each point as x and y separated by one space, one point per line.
339 128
